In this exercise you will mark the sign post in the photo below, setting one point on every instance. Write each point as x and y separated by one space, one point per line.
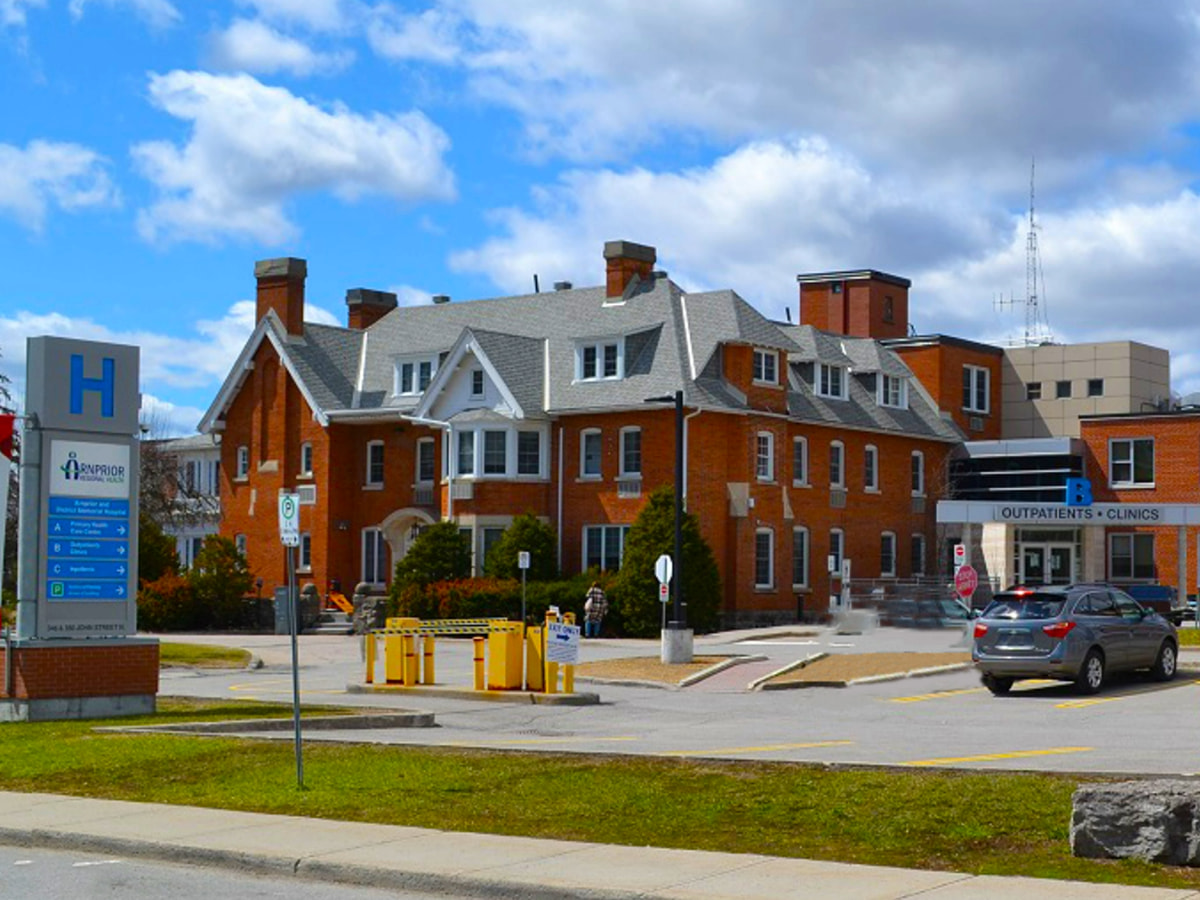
663 569
523 565
289 536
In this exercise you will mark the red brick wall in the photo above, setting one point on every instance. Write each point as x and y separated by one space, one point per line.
90 670
939 368
858 310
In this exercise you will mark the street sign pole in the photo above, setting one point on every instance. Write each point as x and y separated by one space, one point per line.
289 536
523 565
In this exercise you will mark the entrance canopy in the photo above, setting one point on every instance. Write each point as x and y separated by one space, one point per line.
977 511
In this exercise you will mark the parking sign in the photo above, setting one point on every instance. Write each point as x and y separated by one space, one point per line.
289 520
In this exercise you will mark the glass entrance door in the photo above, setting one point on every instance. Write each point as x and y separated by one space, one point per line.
1061 565
1047 564
1033 565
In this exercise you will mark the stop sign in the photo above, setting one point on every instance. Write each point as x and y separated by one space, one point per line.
966 579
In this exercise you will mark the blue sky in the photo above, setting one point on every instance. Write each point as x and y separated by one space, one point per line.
152 150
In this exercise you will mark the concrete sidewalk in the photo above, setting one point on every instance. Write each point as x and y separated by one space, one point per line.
489 865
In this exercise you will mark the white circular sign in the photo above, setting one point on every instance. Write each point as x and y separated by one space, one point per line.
663 567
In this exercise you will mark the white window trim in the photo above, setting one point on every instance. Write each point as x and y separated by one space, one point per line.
243 462
414 389
481 450
1132 484
807 556
368 484
919 489
598 344
622 535
628 429
303 565
239 543
584 475
882 393
541 466
871 452
424 442
482 384
1132 536
763 354
887 573
841 549
976 373
840 484
770 584
306 467
843 378
801 442
381 545
769 477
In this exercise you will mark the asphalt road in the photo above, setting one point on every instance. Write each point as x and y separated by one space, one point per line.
32 873
1133 726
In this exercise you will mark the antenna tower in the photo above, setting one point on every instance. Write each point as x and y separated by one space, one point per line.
1037 329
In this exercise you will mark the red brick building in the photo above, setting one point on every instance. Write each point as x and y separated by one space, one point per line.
800 444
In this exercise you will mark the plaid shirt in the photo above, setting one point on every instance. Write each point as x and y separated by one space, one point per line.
599 604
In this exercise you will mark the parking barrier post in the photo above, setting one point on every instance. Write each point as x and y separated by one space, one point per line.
370 652
409 643
427 658
479 675
551 681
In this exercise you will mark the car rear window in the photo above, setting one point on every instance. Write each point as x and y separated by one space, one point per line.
1025 606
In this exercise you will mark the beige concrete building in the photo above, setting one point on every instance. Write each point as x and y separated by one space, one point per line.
1046 389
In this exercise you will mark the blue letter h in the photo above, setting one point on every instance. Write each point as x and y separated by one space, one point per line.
105 385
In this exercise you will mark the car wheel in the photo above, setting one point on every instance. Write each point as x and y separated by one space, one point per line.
1091 673
1166 662
997 685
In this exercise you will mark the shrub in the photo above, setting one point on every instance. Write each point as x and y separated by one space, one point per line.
220 578
527 532
439 553
635 591
156 551
167 604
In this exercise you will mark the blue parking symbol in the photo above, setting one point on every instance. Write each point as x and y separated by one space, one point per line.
1079 492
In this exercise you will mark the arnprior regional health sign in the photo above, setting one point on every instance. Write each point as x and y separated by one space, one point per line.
972 511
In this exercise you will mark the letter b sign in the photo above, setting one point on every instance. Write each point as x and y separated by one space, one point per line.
1079 492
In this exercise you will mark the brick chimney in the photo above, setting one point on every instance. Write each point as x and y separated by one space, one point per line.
281 288
626 259
860 303
366 307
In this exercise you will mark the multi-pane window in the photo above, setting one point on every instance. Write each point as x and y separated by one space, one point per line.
374 556
871 468
631 451
766 366
887 554
495 452
799 461
599 360
831 381
976 380
604 546
1131 461
1033 390
764 558
243 461
893 391
424 374
837 465
529 453
917 549
305 550
413 376
1131 556
374 462
466 453
918 473
476 383
589 454
425 460
764 456
799 557
306 458
1062 390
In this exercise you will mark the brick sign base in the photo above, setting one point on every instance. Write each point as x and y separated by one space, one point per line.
79 679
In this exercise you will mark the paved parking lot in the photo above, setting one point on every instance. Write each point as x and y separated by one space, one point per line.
1133 726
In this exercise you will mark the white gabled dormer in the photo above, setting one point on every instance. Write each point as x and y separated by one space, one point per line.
831 381
413 374
600 359
891 391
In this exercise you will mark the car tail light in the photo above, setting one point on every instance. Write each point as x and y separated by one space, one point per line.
1058 630
980 629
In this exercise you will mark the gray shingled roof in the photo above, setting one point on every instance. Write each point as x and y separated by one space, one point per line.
867 355
816 346
521 364
327 361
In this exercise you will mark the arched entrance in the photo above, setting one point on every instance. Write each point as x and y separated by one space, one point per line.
400 529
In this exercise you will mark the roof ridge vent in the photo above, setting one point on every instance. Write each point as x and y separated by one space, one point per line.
563 285
441 298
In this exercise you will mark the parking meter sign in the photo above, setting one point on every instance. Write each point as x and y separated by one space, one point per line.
289 520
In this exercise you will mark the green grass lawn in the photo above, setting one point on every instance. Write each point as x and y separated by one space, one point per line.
978 822
201 656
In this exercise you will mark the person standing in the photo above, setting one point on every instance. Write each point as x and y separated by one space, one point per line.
594 607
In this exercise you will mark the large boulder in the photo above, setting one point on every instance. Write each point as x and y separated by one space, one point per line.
1158 821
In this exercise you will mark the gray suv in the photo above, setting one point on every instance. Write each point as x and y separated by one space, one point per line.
1077 632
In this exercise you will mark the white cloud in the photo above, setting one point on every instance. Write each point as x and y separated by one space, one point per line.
320 15
44 173
253 147
431 36
158 14
12 12
407 295
253 46
165 419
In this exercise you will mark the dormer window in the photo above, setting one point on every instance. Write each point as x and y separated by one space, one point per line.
893 391
476 383
412 376
831 381
766 366
600 360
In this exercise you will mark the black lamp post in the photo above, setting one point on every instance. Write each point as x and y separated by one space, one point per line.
679 615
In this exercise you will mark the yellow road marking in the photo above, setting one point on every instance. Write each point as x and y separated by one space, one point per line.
989 757
768 748
266 687
1080 704
937 695
563 740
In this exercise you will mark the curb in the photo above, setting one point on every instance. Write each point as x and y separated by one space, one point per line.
724 664
866 679
412 719
452 693
760 684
